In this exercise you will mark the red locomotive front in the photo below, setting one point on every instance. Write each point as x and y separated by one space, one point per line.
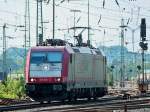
46 72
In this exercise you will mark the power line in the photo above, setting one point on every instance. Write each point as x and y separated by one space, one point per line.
94 14
128 2
15 13
112 10
83 11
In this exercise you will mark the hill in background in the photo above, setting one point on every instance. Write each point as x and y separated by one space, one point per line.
14 59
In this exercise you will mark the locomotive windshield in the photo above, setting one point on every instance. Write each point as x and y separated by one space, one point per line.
38 58
46 64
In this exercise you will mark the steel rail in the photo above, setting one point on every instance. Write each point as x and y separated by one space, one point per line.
37 104
136 104
77 104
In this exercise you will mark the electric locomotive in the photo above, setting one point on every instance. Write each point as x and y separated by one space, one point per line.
58 71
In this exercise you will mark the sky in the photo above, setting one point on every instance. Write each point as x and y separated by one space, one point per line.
107 20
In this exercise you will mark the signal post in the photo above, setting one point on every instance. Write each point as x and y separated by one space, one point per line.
143 86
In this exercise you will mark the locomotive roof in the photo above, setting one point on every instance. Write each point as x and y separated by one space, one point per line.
87 50
47 47
76 49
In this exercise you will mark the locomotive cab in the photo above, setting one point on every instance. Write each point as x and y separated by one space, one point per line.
45 64
46 72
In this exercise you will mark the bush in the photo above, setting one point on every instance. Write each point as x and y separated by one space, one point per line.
12 88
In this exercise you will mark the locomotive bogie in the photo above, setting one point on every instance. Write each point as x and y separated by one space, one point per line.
46 92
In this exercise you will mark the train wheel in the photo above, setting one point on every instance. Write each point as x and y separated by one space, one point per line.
41 102
62 100
49 102
64 96
89 98
95 95
69 99
95 98
75 98
69 96
90 95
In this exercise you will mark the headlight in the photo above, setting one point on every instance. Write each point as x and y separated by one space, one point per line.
32 79
58 79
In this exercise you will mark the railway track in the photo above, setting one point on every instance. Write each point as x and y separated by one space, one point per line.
105 106
104 103
33 105
111 105
103 109
7 101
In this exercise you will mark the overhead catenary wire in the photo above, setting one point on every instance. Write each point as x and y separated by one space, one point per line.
91 13
113 10
135 5
109 9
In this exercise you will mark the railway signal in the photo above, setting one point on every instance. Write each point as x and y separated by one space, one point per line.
112 70
138 67
143 29
144 46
